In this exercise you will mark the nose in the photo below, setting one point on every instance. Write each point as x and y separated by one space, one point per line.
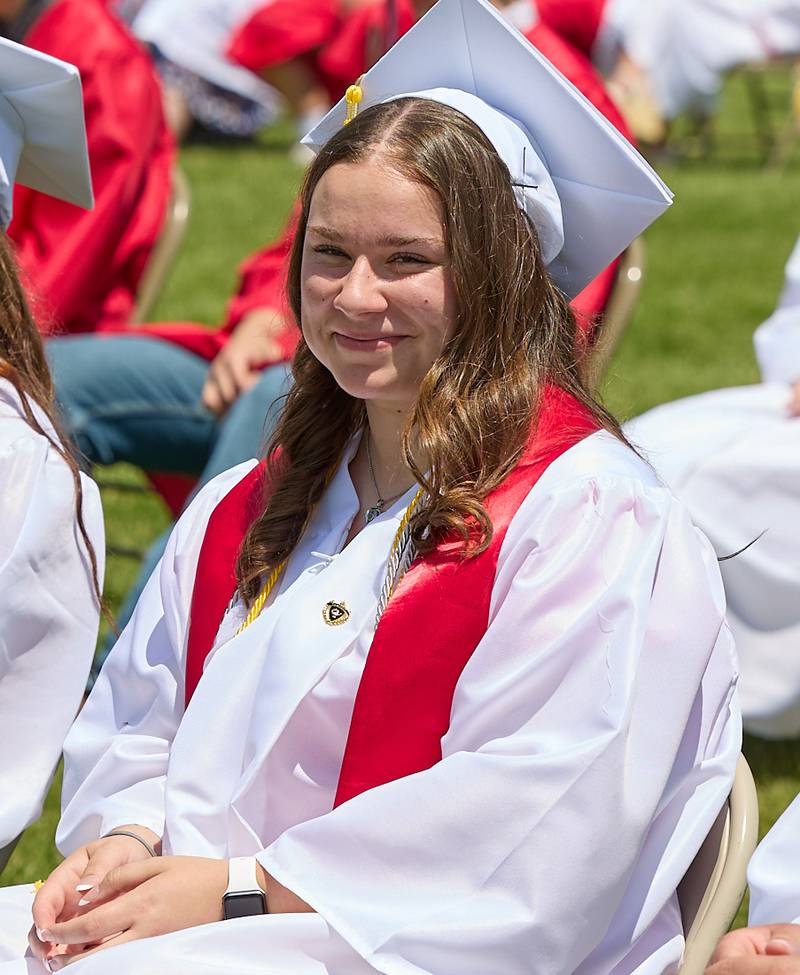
360 291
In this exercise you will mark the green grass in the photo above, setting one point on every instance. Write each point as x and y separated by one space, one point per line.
714 269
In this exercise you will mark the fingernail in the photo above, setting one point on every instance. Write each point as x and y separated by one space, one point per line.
778 946
82 888
44 935
47 965
40 934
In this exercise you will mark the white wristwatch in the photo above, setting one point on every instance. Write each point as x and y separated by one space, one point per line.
244 897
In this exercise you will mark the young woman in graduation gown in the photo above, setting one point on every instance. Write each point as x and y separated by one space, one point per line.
731 456
447 678
51 525
196 406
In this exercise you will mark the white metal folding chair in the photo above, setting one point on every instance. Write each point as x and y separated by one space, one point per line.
5 853
166 249
714 885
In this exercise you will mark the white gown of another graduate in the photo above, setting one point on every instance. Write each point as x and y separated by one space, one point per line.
48 611
733 457
593 739
195 35
774 872
687 46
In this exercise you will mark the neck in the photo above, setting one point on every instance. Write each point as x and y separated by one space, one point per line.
386 424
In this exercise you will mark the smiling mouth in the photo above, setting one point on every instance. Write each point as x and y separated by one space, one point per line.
373 343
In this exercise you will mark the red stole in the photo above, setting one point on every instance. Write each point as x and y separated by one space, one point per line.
431 626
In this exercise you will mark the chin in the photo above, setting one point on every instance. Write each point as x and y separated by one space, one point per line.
375 387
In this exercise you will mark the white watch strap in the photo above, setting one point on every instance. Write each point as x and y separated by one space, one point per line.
242 875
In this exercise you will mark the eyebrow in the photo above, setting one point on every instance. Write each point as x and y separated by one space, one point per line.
384 241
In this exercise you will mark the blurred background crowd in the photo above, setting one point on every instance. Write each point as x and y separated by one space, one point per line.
170 338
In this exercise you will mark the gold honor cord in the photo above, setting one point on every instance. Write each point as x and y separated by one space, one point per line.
262 597
389 585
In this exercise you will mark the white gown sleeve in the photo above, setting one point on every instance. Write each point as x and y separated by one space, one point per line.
777 340
774 872
49 617
116 755
593 740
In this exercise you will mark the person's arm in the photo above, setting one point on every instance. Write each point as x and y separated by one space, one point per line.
49 616
237 367
777 340
116 755
774 873
755 965
259 328
117 752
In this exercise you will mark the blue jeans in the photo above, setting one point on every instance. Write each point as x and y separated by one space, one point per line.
137 399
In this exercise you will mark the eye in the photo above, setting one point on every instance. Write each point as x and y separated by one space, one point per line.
409 259
329 250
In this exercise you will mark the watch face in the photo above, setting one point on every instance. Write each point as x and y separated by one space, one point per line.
244 904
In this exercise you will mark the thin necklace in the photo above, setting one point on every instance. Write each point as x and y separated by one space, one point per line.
378 508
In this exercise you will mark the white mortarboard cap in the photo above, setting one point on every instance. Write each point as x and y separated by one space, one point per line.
579 180
42 129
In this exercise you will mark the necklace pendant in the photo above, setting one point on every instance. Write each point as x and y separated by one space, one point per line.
335 613
372 513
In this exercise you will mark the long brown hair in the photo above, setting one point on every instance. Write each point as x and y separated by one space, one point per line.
23 364
476 405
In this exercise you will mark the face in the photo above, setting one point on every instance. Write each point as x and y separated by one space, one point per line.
378 303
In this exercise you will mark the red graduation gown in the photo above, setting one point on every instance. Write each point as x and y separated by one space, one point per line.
283 30
83 267
577 21
338 46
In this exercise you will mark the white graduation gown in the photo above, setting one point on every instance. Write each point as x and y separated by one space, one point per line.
48 611
733 457
774 872
687 46
777 340
195 34
593 739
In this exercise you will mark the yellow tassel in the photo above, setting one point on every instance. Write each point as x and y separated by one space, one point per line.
38 884
353 97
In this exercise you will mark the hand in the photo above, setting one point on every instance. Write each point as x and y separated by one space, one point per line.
237 367
768 949
77 879
141 900
756 965
794 402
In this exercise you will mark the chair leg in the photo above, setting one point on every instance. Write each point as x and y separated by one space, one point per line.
5 853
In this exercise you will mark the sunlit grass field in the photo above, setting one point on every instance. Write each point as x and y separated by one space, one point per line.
714 270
